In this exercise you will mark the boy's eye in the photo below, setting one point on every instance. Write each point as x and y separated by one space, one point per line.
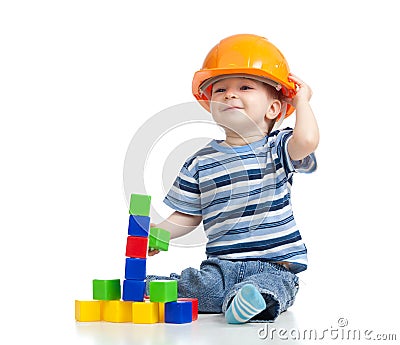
219 90
246 87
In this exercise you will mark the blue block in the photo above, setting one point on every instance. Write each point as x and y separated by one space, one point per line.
139 226
133 290
135 269
178 312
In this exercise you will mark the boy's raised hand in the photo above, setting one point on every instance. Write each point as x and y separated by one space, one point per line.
303 92
152 252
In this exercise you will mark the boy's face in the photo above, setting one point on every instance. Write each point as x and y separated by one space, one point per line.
243 106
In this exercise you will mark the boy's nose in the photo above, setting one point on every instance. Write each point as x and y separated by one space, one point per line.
230 94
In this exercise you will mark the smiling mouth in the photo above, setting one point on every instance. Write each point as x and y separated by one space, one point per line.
232 108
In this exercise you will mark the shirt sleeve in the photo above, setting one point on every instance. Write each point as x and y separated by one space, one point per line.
306 165
184 195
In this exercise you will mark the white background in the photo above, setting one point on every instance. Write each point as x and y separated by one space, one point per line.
79 78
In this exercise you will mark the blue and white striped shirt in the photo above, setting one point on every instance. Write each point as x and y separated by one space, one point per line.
243 195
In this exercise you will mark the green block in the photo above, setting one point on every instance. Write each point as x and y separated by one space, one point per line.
106 290
159 239
163 290
140 205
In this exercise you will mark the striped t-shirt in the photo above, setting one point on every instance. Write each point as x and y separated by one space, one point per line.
243 195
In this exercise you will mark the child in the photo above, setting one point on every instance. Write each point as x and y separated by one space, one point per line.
240 187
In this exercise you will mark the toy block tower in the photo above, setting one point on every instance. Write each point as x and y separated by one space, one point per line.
136 248
164 304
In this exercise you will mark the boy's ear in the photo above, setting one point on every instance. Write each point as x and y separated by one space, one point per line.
274 109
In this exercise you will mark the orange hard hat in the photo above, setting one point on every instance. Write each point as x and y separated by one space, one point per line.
244 55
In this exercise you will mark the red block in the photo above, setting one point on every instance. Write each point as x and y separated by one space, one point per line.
136 247
195 306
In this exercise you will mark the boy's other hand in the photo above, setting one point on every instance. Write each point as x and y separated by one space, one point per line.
152 252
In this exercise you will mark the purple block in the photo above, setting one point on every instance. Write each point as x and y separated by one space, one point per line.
135 269
139 226
133 290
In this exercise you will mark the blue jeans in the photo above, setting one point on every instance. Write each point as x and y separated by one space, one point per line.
218 281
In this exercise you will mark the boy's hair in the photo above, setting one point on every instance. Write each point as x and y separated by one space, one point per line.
273 92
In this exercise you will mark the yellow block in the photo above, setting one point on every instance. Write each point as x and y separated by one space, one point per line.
145 312
87 311
117 311
161 307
